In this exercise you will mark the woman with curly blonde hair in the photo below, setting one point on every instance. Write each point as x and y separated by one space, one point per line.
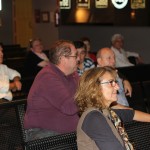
100 126
87 94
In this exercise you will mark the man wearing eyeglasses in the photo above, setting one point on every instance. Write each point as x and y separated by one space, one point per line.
51 109
106 57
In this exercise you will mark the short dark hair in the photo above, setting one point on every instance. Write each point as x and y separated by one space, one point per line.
1 44
79 44
58 49
85 39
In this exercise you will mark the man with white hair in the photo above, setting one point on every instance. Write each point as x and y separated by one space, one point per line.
121 55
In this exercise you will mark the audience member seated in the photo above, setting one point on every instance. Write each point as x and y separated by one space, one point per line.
121 55
101 127
51 108
9 79
106 57
36 59
89 54
84 63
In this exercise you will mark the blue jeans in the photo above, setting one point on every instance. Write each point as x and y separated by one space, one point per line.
37 133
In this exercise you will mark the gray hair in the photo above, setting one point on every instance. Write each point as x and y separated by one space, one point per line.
116 36
58 49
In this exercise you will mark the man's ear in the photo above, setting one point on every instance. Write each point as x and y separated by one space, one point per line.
63 60
99 61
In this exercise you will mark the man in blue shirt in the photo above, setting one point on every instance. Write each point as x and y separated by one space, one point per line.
106 57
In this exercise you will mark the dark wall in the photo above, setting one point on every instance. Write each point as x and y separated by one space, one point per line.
136 38
6 19
46 31
106 16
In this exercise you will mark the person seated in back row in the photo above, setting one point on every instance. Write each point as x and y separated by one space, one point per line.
36 59
84 63
106 57
121 55
9 79
89 53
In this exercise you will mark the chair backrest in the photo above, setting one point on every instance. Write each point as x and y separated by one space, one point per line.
146 89
139 134
10 134
136 73
132 60
12 113
21 112
137 100
60 142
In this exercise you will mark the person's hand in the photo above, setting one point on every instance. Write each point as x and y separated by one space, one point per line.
12 86
18 85
139 60
127 88
43 63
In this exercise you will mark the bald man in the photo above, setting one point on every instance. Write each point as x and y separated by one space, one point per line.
106 57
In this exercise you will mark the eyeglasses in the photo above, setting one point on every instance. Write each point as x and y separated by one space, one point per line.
112 83
75 56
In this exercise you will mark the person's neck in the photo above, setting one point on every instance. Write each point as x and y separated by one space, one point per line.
37 52
62 69
119 49
80 66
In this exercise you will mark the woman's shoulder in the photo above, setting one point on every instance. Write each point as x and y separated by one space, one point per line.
93 115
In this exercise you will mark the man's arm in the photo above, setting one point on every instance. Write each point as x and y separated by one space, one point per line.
127 88
126 84
115 105
58 91
141 116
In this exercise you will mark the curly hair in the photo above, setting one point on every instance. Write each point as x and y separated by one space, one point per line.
89 92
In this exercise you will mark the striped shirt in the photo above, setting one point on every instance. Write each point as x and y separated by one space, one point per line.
87 64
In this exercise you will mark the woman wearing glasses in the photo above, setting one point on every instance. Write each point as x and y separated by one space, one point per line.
100 127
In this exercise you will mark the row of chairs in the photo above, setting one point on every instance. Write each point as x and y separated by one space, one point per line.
12 130
12 135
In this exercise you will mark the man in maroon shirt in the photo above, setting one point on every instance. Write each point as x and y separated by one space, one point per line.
51 108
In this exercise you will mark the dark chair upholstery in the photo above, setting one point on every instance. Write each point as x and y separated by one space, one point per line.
146 89
139 134
137 100
12 131
132 60
10 134
60 142
136 73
